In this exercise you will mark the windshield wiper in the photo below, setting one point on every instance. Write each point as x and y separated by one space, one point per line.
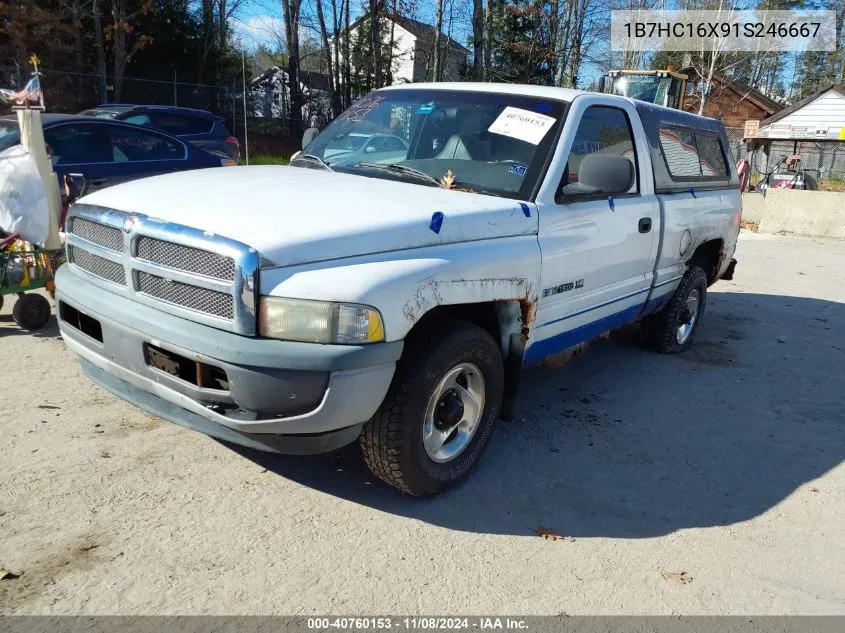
311 158
401 169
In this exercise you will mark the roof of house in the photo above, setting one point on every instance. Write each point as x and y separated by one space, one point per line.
836 87
420 30
744 89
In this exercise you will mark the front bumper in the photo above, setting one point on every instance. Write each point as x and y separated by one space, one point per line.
317 394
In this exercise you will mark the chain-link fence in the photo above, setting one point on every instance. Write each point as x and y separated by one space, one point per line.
823 159
268 111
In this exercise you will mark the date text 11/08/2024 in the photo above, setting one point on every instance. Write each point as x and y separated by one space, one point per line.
416 623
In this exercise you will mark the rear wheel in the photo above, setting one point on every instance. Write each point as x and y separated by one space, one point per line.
31 311
672 329
438 415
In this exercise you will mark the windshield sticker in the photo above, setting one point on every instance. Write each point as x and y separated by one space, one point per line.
362 108
519 170
543 107
523 125
425 109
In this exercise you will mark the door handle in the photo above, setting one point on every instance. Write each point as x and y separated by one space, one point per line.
644 225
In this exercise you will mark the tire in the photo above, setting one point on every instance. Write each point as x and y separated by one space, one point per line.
399 444
1 302
810 183
31 312
663 330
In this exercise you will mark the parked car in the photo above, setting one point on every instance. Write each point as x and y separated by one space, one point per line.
396 304
106 153
353 147
200 127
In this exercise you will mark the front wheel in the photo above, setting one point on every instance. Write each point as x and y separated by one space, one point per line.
439 412
672 329
31 311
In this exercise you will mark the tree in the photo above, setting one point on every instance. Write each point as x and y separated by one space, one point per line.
477 40
100 47
291 10
126 40
438 34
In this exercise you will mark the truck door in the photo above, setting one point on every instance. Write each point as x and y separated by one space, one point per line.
598 251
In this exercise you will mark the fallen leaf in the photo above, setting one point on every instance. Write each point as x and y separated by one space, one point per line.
814 489
550 535
105 454
448 180
48 406
5 574
681 577
264 471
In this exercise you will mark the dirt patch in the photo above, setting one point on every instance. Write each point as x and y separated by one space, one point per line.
709 354
76 555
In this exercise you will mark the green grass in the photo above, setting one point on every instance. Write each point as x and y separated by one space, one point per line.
265 159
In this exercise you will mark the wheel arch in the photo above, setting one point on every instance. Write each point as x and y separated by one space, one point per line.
709 256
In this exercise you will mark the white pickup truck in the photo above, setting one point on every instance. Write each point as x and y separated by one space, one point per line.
394 297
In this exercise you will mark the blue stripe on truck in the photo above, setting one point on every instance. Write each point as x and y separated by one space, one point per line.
565 340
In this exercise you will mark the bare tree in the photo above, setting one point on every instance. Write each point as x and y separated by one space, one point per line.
100 46
438 30
331 64
375 41
478 40
291 10
127 42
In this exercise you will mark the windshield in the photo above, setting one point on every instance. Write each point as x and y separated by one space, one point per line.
650 88
491 143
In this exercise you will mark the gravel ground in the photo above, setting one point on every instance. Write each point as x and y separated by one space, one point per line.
707 483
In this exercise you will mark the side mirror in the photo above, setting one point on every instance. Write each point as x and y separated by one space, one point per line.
310 134
602 174
76 186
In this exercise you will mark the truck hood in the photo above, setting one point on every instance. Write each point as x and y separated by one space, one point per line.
292 215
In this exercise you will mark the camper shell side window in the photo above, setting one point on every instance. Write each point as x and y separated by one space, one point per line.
687 151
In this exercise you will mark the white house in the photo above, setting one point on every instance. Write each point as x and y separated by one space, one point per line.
821 116
413 49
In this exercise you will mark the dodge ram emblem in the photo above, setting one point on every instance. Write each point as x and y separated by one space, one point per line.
129 224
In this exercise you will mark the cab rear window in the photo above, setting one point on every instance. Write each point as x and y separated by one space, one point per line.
692 154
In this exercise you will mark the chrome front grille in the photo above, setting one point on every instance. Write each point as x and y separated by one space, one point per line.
176 269
96 265
194 298
100 234
186 258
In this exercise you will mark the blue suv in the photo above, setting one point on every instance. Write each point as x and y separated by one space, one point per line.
199 127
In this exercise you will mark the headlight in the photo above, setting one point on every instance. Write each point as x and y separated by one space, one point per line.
319 321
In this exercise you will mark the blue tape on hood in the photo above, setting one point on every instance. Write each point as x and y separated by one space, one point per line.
611 203
436 221
692 192
525 209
